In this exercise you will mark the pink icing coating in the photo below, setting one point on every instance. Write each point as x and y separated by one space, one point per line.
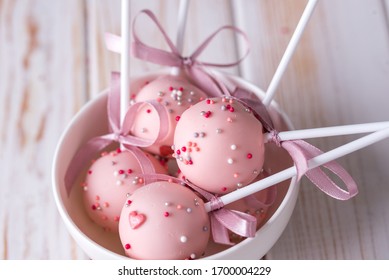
176 94
108 182
218 144
164 220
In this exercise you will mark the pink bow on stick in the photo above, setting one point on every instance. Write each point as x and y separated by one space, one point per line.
301 151
194 68
118 133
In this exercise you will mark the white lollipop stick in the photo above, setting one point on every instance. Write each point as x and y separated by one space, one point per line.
289 52
125 58
181 25
312 163
329 131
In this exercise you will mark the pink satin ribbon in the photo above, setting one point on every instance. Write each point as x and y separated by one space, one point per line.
118 133
195 69
301 152
223 219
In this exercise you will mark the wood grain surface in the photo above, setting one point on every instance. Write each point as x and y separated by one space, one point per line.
53 59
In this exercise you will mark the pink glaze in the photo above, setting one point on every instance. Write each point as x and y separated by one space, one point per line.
164 220
109 181
176 94
218 144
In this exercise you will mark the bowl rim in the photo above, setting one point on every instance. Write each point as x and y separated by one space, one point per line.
87 242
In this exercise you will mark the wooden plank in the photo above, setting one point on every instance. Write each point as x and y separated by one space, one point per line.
42 85
337 76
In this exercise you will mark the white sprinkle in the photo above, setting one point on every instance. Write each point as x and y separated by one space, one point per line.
230 161
218 131
189 210
192 256
205 228
167 204
119 183
144 130
233 147
115 173
183 239
179 92
239 185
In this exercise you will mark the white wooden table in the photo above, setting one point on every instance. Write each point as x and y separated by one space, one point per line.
53 59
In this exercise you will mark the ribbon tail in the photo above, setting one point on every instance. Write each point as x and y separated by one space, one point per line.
219 232
240 223
82 158
317 176
298 154
146 166
129 120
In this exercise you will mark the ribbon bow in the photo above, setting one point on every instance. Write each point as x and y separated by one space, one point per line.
118 133
194 68
301 151
223 219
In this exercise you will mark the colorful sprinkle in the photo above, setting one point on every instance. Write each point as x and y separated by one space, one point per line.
178 118
127 246
249 155
166 214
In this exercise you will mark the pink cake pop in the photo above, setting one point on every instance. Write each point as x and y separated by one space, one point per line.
218 144
164 220
109 181
177 95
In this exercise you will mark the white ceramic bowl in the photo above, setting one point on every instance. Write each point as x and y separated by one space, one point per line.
91 121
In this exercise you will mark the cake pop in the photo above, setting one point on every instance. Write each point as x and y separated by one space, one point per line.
164 220
109 180
177 95
218 145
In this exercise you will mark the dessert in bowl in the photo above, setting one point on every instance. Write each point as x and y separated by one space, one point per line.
102 244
